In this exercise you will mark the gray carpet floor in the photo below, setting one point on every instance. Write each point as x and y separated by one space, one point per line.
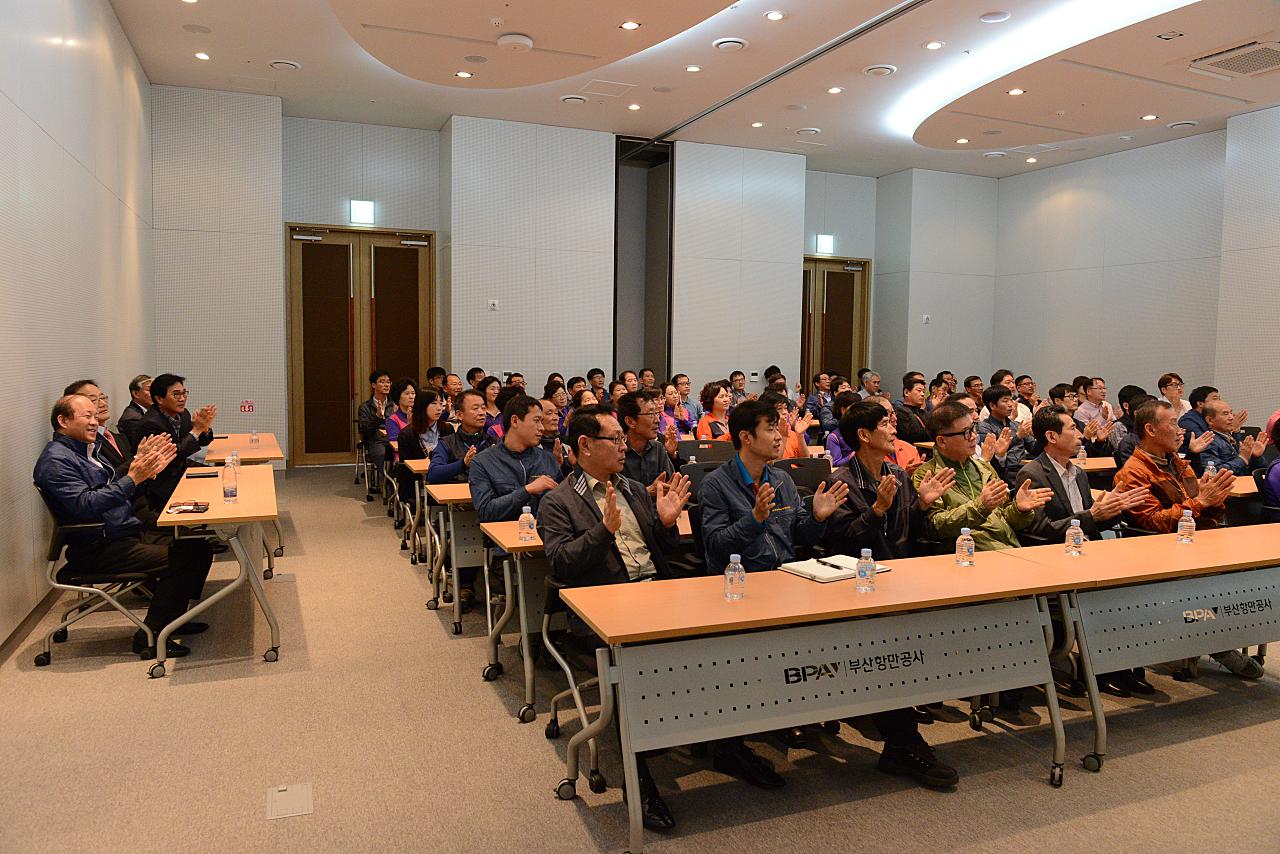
384 712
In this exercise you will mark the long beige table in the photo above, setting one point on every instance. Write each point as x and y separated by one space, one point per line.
240 524
460 534
268 449
412 538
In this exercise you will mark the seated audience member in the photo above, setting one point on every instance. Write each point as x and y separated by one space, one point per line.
82 488
649 455
505 394
452 456
595 377
911 414
551 440
1227 449
837 448
1130 440
779 384
827 418
403 392
372 420
1192 421
883 512
115 449
601 527
1081 386
674 412
738 388
1021 413
574 385
1095 407
490 387
554 377
617 388
715 422
515 380
517 471
903 454
630 381
820 396
189 432
1094 432
139 403
870 385
795 445
974 388
1271 483
558 397
938 392
752 509
1171 386
1027 396
474 376
452 388
693 407
1172 488
418 439
582 397
435 379
906 378
647 378
950 379
999 403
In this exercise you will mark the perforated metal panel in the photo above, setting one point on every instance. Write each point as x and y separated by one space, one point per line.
465 540
706 688
1135 626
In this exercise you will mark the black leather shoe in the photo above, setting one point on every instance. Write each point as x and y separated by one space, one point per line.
653 809
792 737
740 762
172 648
1109 683
1139 685
219 547
191 627
920 763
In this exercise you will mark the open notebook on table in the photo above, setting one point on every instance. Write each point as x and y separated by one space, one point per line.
830 568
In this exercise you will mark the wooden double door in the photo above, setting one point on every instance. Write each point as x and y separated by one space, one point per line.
835 331
358 300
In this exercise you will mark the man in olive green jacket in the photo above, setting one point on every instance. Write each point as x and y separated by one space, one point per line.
978 499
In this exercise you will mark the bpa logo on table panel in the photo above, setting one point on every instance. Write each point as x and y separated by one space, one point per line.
828 670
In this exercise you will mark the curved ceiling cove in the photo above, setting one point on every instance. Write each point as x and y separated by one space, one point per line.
515 44
1063 26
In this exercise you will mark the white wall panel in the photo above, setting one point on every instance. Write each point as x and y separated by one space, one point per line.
843 206
772 217
890 306
953 223
893 222
75 232
1251 218
495 183
708 202
958 337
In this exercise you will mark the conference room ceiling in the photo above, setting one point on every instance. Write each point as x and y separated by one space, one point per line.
1079 102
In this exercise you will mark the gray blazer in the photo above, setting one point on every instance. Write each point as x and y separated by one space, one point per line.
1051 521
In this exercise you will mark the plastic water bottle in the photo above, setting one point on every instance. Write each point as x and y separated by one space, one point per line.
230 480
1081 455
866 582
692 459
525 526
1187 528
964 548
735 579
1210 467
254 440
1075 539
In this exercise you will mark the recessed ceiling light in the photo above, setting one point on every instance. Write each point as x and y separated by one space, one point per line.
463 74
629 25
196 28
834 90
1126 138
1185 123
934 45
55 40
731 44
1017 91
994 17
757 124
662 89
188 1
633 106
962 141
202 56
1149 117
774 15
475 59
1031 160
693 69
573 99
994 154
284 65
809 131
879 70
795 108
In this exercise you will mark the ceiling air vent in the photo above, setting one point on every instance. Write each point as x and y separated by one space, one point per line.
1249 60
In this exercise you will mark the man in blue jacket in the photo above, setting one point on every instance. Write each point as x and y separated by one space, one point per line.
1228 449
81 487
453 454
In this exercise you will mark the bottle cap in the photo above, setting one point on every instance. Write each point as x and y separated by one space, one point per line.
1075 523
964 531
866 553
525 509
1186 514
735 558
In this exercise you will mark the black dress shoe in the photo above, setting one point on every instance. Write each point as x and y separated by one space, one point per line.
653 809
740 762
1110 683
219 547
172 649
1138 685
920 763
792 737
191 627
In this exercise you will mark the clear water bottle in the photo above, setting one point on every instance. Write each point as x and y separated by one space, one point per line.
1210 467
525 526
1075 539
964 548
230 480
254 440
1187 528
692 459
866 582
1081 455
735 579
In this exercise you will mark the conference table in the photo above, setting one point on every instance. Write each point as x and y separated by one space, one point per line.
682 665
240 524
266 451
460 532
412 538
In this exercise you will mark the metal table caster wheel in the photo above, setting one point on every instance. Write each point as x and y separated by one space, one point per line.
156 670
553 729
566 790
987 714
975 721
404 545
1055 776
457 628
279 552
596 782
831 727
413 559
1092 762
433 603
491 671
272 654
267 575
43 659
60 636
527 714
368 498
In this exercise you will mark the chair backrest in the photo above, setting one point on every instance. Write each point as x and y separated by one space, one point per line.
808 473
706 452
58 537
697 472
1250 431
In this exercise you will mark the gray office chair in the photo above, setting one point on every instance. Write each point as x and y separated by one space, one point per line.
697 472
809 473
706 452
584 663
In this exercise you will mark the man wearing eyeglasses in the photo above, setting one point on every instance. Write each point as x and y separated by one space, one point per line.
189 431
1095 434
649 459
